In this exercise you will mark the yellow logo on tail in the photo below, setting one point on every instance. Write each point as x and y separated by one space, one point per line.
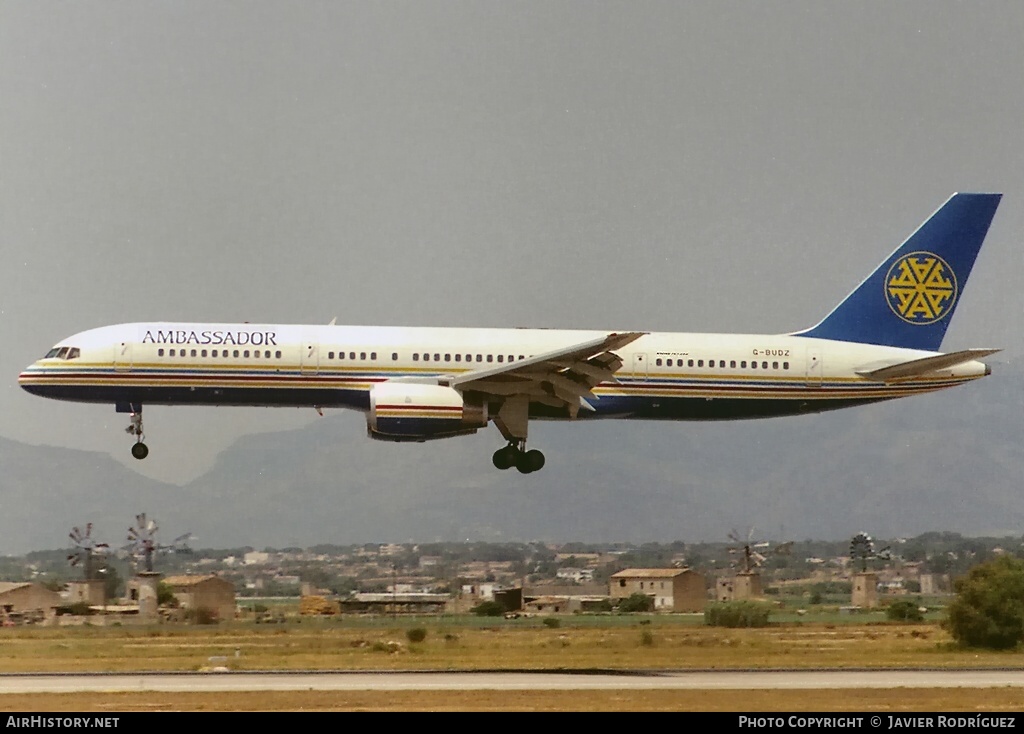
921 288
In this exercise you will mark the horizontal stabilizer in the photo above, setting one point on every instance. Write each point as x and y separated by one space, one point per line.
917 367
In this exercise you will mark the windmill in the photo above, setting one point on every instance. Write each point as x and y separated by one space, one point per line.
753 554
85 549
862 550
142 540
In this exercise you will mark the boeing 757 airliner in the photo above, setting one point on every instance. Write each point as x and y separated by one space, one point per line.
418 384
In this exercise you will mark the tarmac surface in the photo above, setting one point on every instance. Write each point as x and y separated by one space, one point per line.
504 680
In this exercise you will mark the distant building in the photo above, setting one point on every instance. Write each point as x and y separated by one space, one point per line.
742 586
19 600
204 592
673 589
579 575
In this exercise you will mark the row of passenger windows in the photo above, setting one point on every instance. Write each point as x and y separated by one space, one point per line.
469 357
428 357
742 364
255 353
351 356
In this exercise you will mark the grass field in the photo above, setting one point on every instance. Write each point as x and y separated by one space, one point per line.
462 643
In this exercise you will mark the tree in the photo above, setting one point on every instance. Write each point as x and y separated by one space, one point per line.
636 602
989 607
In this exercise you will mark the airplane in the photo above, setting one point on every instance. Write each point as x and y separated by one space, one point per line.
417 384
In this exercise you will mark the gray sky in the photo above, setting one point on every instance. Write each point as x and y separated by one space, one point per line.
694 166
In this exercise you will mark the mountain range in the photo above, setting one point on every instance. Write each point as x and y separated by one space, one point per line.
952 460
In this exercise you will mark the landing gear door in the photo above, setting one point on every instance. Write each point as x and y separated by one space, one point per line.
122 356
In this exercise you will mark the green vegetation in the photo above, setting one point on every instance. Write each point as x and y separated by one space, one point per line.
737 614
416 634
488 609
988 611
636 603
904 610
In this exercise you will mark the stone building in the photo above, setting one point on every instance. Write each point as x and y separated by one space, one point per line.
673 589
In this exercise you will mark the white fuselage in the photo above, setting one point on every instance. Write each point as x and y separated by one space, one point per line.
666 375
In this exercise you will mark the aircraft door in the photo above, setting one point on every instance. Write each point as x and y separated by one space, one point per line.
814 368
640 365
309 359
122 356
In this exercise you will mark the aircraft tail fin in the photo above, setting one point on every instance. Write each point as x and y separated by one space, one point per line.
909 299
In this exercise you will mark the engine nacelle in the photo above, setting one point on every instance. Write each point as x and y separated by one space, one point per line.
404 411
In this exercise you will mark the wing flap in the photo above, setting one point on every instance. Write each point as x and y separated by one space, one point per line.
562 377
923 366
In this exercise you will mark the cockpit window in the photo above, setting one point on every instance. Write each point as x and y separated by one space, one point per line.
63 353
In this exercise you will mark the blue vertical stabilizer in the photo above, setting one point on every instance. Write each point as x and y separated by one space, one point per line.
909 300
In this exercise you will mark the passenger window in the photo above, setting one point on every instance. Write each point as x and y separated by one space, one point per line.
351 355
753 365
490 357
743 364
764 365
245 353
785 365
775 365
700 362
689 363
277 354
193 352
721 363
479 358
657 362
373 356
437 357
415 356
511 357
521 357
426 357
501 357
236 353
159 352
256 353
394 356
732 363
266 354
330 355
458 357
204 353
447 358
362 355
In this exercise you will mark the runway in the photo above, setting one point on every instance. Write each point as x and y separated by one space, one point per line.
509 681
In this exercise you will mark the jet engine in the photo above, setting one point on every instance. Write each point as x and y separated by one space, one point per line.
403 411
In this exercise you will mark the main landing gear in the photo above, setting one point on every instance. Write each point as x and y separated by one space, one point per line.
139 450
515 454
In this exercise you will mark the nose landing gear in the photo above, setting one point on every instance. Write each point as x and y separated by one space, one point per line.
139 450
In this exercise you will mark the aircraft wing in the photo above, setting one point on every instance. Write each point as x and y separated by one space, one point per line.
889 372
562 377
